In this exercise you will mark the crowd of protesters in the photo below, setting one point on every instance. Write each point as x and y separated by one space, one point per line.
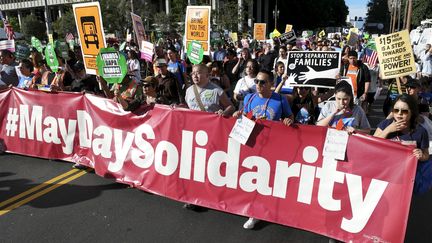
240 80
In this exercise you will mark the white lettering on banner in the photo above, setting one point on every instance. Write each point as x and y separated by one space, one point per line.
223 167
52 126
29 124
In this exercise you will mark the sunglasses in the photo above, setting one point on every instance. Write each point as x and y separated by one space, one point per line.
260 81
403 111
147 85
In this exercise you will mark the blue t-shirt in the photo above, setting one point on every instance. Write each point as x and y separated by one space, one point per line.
420 135
24 82
273 108
177 69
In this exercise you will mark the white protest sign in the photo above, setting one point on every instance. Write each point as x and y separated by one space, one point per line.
242 129
335 144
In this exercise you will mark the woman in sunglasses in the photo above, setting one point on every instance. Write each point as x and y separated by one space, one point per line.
404 126
342 113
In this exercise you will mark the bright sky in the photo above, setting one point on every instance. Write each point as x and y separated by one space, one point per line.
357 7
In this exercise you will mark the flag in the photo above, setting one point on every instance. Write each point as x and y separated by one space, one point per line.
10 34
69 37
321 34
370 56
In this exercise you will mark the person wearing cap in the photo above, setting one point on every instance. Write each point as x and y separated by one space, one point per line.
149 90
168 88
359 74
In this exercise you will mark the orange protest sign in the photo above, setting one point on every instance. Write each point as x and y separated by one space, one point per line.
259 31
198 25
88 21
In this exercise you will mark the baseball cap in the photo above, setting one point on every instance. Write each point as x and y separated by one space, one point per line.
161 62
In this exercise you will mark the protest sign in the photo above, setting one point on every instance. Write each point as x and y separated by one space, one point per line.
288 37
36 43
111 65
7 45
335 144
198 26
279 175
51 57
88 20
22 51
314 68
307 33
147 49
352 39
395 55
233 36
138 29
260 31
195 52
242 129
288 28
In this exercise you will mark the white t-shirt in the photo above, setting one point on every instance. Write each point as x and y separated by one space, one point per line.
210 96
245 86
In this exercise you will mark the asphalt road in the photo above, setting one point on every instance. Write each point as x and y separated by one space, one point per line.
89 208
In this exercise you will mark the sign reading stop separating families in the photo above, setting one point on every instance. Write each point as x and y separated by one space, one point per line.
111 65
395 55
195 52
313 68
198 26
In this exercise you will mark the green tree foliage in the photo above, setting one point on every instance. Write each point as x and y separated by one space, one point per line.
32 26
378 12
65 24
163 22
422 9
116 16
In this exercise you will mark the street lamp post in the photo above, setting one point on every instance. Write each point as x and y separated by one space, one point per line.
276 14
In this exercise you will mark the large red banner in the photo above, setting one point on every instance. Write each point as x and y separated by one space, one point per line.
280 175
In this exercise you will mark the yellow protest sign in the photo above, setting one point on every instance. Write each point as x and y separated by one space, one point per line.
260 31
288 28
355 30
395 55
198 26
88 20
234 36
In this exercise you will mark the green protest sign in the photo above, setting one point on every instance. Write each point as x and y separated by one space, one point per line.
195 52
36 43
22 51
51 57
111 65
